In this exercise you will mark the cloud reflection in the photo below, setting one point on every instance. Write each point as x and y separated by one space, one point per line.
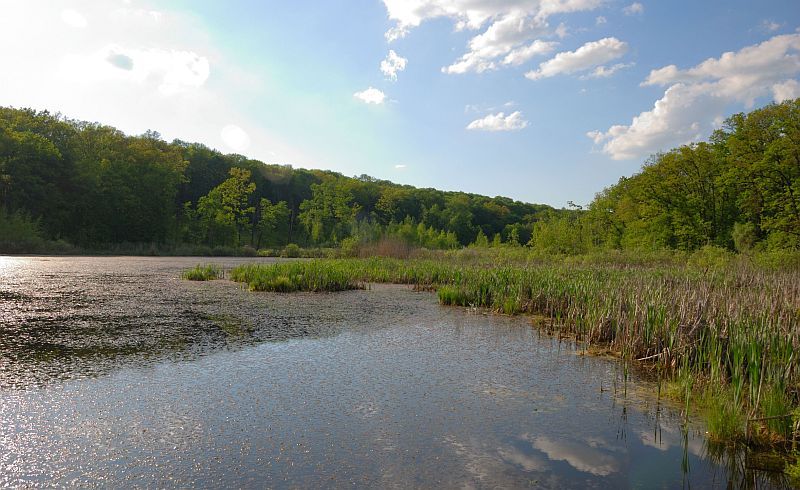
580 456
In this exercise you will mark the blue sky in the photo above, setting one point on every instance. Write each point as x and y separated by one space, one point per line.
541 100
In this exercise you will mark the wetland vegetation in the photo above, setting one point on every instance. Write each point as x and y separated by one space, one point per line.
720 331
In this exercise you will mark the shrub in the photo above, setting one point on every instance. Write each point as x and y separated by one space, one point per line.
291 251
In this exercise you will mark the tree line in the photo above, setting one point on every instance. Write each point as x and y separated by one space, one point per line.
740 190
93 186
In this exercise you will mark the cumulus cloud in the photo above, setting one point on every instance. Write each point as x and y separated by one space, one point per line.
790 89
635 8
73 18
499 122
580 456
511 26
607 71
393 64
525 53
698 96
590 55
370 96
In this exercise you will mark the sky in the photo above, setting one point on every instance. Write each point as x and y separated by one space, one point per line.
543 101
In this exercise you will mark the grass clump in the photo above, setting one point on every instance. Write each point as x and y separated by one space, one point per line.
725 419
288 277
202 273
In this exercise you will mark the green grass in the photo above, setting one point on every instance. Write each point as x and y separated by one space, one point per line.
731 326
202 273
289 277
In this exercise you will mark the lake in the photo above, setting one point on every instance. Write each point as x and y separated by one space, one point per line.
115 372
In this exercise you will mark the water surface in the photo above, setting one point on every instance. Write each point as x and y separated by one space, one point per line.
114 372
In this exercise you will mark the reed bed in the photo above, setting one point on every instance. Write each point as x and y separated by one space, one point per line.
729 334
202 273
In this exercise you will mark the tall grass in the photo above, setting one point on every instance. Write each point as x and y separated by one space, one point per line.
202 273
733 328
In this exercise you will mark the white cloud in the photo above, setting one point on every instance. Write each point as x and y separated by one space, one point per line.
607 71
698 96
511 25
588 56
790 89
600 20
393 64
499 122
155 75
635 8
769 26
400 166
579 455
235 138
74 18
370 96
170 71
561 31
525 53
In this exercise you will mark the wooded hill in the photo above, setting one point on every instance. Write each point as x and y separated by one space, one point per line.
93 186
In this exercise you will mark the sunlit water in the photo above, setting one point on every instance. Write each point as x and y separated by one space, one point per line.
114 372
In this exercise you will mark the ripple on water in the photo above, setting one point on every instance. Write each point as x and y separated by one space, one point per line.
113 372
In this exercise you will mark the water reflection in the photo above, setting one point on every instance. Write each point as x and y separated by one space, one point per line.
115 373
583 456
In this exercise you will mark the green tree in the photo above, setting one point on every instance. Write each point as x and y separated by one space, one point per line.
329 214
273 223
225 209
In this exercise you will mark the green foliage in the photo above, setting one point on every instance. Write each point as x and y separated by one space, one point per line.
725 418
291 250
225 211
97 187
18 232
287 277
349 247
273 223
742 189
793 472
329 212
744 237
710 257
481 240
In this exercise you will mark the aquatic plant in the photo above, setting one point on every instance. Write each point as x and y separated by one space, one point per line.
202 273
729 324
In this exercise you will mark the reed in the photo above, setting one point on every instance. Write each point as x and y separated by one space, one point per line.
202 273
734 329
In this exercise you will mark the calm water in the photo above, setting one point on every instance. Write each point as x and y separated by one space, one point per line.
114 372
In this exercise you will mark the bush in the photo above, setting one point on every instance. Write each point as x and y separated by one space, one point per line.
349 247
19 233
710 257
291 251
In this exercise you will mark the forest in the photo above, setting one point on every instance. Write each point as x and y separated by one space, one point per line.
87 186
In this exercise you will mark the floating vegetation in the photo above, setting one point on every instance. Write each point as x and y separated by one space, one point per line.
203 273
732 330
